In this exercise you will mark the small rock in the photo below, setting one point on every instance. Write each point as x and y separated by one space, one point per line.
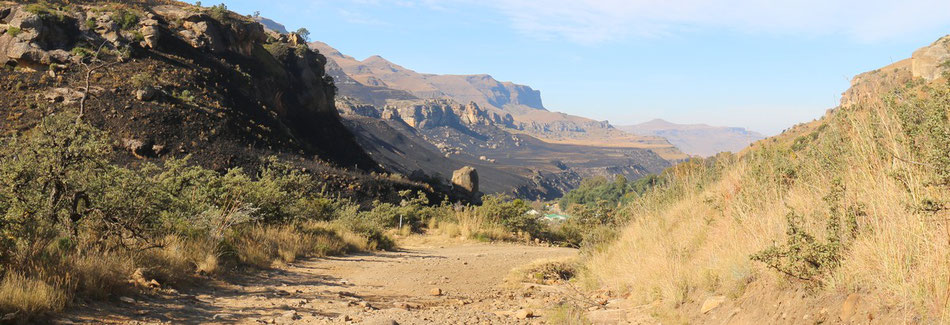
850 306
10 316
524 314
379 321
222 316
345 318
146 94
127 300
711 303
291 314
435 292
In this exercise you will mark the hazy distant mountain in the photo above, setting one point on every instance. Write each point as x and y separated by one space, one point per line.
697 139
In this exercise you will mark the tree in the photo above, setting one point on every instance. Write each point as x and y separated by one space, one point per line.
303 32
257 14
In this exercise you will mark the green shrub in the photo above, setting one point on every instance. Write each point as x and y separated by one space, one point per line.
804 256
127 20
925 123
596 189
14 31
219 12
510 213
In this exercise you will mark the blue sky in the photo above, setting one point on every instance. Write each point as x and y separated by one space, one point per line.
760 64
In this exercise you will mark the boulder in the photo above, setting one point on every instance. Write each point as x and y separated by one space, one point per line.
151 35
202 34
297 40
466 178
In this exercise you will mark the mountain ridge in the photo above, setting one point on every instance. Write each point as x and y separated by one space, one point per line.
697 139
375 79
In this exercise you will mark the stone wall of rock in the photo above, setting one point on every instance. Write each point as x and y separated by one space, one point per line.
428 113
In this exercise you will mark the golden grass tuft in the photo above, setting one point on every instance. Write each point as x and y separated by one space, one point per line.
29 296
544 271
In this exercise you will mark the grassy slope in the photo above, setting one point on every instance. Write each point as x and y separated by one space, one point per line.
693 238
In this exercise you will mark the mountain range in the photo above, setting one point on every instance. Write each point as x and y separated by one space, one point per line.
697 139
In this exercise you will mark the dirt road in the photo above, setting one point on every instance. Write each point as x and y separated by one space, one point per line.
422 283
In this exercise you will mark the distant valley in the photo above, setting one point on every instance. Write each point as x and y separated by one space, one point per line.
426 125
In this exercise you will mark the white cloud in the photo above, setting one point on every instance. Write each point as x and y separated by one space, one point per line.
597 21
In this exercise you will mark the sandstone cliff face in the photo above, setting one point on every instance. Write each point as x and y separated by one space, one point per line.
428 114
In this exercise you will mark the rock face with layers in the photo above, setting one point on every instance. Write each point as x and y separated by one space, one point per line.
427 114
466 178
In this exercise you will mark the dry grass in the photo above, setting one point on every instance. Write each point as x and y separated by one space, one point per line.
51 282
544 271
695 238
264 246
29 296
566 314
467 223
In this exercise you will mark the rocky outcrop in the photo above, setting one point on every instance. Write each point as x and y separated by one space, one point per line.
263 91
932 62
466 178
31 39
927 63
427 114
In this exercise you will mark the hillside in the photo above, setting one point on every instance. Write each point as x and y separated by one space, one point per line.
841 220
697 139
174 82
376 80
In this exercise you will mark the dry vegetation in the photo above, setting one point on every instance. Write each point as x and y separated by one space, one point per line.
76 226
854 202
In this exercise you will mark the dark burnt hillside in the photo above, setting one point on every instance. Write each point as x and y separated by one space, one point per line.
169 79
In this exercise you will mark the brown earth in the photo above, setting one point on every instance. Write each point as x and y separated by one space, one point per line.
375 288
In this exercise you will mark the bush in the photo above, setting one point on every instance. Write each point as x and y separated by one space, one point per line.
597 189
219 12
510 213
73 224
803 256
127 20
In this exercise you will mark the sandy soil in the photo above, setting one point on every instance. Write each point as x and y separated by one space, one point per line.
378 288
